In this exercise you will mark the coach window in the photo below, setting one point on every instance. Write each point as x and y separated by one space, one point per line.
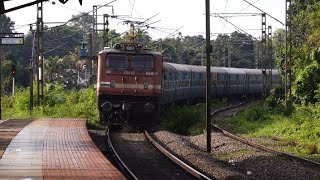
142 62
117 61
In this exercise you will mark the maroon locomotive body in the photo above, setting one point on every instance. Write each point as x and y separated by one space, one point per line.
128 83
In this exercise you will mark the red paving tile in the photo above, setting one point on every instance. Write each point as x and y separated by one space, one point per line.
56 149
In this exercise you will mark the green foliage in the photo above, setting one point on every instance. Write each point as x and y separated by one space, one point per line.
275 102
185 119
307 84
57 103
188 120
306 51
315 55
276 97
301 130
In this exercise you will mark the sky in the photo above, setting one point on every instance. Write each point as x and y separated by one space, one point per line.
168 16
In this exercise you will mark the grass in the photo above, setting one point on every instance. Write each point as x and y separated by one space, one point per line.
295 129
233 155
298 133
187 120
57 103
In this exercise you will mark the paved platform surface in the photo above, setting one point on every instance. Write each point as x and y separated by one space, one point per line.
55 149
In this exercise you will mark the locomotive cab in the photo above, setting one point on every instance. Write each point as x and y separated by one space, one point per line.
128 84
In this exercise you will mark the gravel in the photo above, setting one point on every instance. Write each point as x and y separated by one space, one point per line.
230 159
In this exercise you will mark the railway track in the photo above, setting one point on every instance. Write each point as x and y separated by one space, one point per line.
234 110
141 157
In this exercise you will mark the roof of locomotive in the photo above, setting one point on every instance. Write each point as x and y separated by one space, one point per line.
129 48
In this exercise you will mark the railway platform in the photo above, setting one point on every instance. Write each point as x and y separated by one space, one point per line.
51 149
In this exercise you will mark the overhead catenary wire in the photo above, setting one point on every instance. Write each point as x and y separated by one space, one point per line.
54 3
264 12
134 1
176 31
84 14
236 26
248 6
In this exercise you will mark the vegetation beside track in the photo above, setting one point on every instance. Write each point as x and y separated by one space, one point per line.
294 129
297 133
188 120
57 103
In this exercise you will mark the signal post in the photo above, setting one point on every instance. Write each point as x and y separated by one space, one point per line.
8 39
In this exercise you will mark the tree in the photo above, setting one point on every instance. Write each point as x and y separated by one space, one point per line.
242 51
61 40
6 25
83 22
306 41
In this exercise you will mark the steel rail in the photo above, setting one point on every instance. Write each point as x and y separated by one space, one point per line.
180 163
119 160
256 145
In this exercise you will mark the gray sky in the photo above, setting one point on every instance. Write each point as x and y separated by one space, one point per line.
173 14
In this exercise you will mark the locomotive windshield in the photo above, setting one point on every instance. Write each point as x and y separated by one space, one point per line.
142 62
117 61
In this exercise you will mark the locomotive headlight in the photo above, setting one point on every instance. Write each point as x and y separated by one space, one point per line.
112 83
126 106
148 108
146 84
107 106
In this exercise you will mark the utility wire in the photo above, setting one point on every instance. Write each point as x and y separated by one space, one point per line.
248 6
134 1
264 12
236 26
229 16
174 32
87 13
54 3
55 48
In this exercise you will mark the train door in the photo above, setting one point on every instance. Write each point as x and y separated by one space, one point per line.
228 84
214 84
237 83
246 83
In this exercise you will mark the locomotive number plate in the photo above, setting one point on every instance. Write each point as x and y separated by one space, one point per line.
128 72
151 73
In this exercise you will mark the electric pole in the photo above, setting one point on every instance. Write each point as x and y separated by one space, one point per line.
264 60
31 67
270 64
105 30
208 82
90 56
39 58
0 84
288 61
95 28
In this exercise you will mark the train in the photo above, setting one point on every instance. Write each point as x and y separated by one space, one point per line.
133 81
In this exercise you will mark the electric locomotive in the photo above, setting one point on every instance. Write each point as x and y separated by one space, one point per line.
128 83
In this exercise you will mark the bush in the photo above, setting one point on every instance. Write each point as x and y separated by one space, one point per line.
57 103
188 120
306 85
276 97
184 120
